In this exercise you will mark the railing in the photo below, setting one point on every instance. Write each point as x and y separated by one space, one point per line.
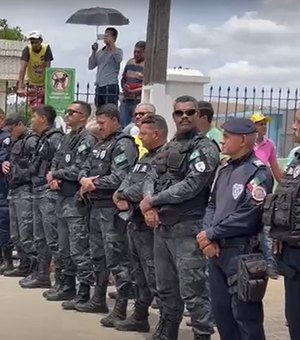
280 105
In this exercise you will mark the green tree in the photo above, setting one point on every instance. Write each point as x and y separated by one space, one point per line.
10 33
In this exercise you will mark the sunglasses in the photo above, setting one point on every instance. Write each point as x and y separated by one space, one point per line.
141 114
189 113
71 112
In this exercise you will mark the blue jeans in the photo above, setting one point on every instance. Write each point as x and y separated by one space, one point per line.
127 109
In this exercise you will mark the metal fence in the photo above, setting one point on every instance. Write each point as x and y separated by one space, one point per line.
280 105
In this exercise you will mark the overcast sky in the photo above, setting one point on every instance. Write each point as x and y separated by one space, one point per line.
235 42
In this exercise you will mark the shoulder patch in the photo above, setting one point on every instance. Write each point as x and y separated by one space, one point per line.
6 141
82 148
194 155
258 163
200 166
120 158
259 194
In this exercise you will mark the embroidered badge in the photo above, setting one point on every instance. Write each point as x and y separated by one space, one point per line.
120 158
200 166
194 155
82 148
6 141
68 158
237 190
296 172
259 194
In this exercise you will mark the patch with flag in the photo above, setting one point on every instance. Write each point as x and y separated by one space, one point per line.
258 192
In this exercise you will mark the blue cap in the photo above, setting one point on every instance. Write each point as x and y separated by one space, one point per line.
239 126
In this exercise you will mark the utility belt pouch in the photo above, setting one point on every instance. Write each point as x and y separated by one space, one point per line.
268 210
252 277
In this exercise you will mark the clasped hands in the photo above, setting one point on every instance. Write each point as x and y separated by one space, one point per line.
150 214
208 247
87 185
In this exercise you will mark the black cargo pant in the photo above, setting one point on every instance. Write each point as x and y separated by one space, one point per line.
21 224
109 247
181 275
45 229
235 319
141 241
291 258
73 239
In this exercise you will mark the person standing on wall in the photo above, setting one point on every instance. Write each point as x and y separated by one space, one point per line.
107 60
132 83
36 57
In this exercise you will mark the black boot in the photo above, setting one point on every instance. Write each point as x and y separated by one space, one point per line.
39 278
66 292
118 313
82 296
23 270
7 264
137 322
169 331
57 285
158 330
97 304
202 337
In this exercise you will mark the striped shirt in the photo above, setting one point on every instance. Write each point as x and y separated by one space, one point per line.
133 76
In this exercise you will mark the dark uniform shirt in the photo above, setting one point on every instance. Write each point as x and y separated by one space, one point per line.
235 208
183 188
21 155
72 153
111 159
47 146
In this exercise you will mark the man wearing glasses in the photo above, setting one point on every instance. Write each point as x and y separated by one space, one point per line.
133 129
176 194
72 217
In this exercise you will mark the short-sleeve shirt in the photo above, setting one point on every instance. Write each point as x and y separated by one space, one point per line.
265 151
26 54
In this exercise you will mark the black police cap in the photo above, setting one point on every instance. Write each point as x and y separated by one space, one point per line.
239 126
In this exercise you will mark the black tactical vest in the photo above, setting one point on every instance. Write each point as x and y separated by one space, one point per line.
282 209
101 163
172 165
43 158
20 161
66 156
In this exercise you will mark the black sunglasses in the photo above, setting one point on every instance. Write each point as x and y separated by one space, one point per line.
141 114
70 112
180 113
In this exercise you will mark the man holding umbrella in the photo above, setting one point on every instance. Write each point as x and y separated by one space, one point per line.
107 60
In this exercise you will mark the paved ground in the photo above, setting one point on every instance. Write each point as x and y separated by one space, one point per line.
26 315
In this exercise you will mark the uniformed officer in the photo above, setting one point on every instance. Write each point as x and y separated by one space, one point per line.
72 219
44 199
176 196
108 164
20 197
232 222
282 213
5 246
153 134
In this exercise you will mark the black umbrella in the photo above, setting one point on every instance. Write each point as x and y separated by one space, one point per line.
98 16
